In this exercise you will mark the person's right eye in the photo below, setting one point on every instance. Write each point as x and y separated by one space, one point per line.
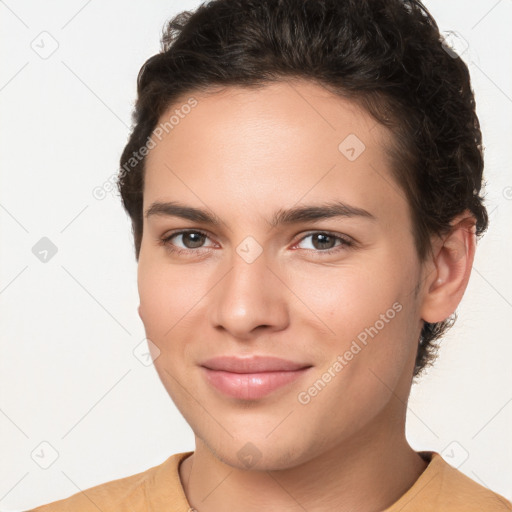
191 240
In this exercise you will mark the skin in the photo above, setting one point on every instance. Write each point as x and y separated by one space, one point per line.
244 154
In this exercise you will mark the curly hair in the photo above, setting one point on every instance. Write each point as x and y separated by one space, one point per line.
387 56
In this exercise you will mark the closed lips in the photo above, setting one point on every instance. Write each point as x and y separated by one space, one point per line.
253 364
251 378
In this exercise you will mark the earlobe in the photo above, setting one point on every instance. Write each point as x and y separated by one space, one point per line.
453 261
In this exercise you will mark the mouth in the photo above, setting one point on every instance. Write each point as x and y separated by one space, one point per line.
251 378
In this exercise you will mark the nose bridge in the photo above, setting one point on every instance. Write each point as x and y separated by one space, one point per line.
249 266
250 295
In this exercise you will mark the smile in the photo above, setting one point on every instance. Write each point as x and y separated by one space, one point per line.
251 378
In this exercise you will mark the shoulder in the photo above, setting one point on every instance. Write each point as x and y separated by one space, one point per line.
443 487
457 489
128 494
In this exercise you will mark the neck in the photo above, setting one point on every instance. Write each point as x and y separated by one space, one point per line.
367 472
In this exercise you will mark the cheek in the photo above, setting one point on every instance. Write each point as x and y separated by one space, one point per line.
167 296
155 304
167 310
364 313
347 298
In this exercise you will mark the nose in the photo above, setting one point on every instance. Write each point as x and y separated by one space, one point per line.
251 298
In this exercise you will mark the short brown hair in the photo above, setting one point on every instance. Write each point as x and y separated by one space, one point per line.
386 55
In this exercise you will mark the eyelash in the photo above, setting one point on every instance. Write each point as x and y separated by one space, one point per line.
166 242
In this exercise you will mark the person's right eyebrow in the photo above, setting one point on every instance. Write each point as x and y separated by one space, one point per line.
176 209
294 215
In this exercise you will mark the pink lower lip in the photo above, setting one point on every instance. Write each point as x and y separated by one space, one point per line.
250 386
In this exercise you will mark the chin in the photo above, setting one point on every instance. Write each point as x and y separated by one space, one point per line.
264 455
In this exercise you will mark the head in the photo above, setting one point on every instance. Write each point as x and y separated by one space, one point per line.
266 115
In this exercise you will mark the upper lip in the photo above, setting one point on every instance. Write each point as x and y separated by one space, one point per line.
252 364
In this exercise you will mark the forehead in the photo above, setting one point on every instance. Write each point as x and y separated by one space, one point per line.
276 144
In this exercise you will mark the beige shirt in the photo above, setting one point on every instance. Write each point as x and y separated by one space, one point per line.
439 488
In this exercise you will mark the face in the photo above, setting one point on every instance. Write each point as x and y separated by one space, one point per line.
329 290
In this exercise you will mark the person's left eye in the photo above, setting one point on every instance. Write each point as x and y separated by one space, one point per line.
322 241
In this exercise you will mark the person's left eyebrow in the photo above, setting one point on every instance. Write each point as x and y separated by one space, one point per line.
294 215
304 213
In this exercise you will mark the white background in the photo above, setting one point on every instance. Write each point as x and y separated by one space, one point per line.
68 374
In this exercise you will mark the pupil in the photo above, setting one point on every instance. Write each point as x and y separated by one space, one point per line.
194 243
324 239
